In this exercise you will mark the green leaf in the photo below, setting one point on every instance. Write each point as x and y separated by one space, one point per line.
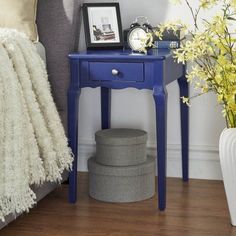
231 18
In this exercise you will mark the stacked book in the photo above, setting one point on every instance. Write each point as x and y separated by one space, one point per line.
170 39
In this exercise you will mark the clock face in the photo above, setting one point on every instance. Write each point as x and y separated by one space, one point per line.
136 39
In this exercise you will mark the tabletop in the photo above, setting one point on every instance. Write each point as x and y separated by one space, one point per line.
152 54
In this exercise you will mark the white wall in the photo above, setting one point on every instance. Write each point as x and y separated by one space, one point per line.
135 109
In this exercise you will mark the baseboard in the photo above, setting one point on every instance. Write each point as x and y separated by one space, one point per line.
204 161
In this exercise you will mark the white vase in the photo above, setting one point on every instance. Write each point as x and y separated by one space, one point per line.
227 151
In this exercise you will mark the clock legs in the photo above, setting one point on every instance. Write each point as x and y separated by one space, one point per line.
160 99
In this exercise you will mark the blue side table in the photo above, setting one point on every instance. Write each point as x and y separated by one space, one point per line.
120 69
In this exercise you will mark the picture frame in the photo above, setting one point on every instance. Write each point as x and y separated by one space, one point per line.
102 25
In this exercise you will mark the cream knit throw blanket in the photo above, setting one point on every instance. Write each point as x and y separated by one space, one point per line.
33 145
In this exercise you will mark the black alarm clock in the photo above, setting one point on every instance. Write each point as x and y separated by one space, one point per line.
139 33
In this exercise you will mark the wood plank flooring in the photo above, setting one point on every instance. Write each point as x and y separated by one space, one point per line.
197 208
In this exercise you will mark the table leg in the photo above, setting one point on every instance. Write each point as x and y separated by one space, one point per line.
160 99
73 105
184 111
105 107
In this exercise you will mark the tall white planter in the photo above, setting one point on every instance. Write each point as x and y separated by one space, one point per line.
227 150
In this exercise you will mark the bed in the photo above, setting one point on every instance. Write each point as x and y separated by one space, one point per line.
58 25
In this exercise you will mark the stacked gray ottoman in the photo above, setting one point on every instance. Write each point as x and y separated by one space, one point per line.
121 171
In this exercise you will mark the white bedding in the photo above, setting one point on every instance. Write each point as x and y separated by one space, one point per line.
41 50
35 147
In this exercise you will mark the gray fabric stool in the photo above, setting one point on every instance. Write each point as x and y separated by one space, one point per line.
122 183
120 147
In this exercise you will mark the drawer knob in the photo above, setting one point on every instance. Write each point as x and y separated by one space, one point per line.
114 72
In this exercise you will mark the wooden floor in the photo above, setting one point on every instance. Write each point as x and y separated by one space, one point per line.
197 208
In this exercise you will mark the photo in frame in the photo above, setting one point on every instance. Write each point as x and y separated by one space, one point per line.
102 25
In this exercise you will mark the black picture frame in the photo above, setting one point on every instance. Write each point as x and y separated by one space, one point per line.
102 30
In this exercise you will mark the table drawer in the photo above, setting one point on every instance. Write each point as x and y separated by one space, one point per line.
105 71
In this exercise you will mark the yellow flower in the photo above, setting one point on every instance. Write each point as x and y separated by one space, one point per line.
233 3
231 98
186 100
206 4
211 50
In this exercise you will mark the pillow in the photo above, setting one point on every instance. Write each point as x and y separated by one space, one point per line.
20 15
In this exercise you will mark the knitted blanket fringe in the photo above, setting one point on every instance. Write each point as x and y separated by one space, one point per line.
33 145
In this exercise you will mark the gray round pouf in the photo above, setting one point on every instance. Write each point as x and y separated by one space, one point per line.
122 184
120 147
